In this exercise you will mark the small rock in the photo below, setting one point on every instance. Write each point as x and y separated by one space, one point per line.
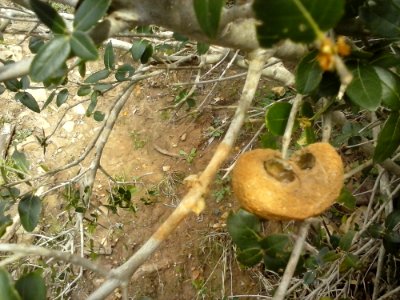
183 137
166 168
69 126
79 110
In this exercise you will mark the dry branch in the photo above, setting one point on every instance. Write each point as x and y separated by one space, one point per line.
194 199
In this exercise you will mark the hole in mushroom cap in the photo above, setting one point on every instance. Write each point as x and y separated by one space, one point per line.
279 169
305 161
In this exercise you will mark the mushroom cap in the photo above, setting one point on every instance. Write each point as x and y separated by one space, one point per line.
295 189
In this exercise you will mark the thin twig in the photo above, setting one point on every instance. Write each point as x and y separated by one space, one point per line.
287 136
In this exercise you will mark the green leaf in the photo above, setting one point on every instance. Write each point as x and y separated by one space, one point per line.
392 220
50 58
29 209
268 140
309 277
244 229
82 45
27 99
82 69
277 116
376 230
365 89
208 13
102 87
141 50
62 97
7 289
148 52
89 12
25 82
350 261
98 116
99 75
84 90
382 17
13 85
93 103
275 244
49 16
202 48
385 59
298 20
346 240
21 163
347 199
124 72
35 43
391 242
49 99
308 74
390 88
2 89
250 256
31 286
109 56
277 263
388 138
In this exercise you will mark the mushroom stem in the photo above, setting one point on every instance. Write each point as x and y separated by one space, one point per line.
294 259
289 126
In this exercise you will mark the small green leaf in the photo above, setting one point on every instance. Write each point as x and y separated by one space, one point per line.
99 75
391 242
109 57
390 88
148 52
244 229
83 46
202 48
347 199
89 12
82 69
346 240
268 140
388 138
21 163
13 85
208 13
84 90
49 16
2 89
350 261
365 89
124 72
392 220
62 97
376 231
277 263
299 20
31 286
27 99
98 116
275 244
29 209
49 99
25 82
5 220
277 116
7 289
93 103
102 87
141 50
50 58
250 256
309 277
35 43
308 74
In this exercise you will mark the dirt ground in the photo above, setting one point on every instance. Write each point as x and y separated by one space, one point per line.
147 148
